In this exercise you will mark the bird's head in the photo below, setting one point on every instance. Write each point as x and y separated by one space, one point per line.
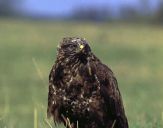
73 46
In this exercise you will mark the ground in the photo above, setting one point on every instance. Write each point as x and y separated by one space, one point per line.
28 49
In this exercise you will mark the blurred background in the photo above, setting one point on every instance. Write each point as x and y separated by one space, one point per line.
127 35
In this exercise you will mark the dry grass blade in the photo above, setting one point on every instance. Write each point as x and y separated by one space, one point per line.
47 122
40 74
113 124
67 121
35 118
77 124
69 124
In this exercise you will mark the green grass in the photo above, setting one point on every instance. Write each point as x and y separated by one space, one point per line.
28 50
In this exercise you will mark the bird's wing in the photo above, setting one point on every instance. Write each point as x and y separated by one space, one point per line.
52 109
111 94
51 99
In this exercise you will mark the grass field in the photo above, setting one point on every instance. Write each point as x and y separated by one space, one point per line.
27 52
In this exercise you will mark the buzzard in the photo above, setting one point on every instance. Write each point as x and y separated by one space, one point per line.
83 92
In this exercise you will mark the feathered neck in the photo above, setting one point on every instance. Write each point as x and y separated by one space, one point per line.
74 59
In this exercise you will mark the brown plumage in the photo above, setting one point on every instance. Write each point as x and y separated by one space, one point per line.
83 92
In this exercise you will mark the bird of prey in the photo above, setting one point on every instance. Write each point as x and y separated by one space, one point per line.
83 92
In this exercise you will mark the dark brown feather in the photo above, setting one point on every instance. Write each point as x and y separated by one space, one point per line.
84 90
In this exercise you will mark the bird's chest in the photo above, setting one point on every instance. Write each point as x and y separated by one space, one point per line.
81 90
79 80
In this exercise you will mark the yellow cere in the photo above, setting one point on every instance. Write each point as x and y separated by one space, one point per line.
81 46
